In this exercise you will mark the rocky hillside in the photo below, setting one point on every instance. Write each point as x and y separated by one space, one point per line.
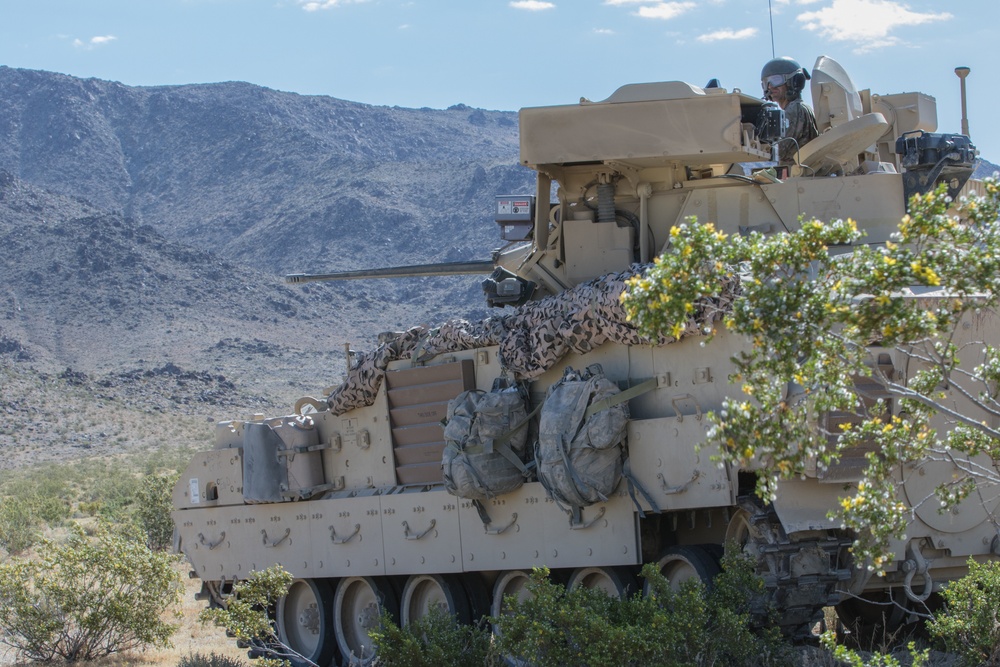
284 181
113 336
105 319
985 168
144 232
91 288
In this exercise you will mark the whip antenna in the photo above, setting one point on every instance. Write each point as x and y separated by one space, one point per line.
770 17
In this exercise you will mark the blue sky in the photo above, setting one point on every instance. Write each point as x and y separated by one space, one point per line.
505 54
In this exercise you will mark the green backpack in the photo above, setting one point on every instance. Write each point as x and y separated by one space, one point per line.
580 453
486 443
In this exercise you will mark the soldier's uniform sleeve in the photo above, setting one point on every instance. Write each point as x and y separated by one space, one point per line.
801 127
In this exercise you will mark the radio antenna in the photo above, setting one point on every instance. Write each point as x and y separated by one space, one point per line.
770 17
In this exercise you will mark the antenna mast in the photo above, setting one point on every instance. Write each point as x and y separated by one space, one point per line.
770 17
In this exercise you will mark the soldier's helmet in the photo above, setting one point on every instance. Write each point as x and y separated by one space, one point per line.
786 71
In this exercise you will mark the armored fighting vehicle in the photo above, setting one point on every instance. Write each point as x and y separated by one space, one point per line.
354 492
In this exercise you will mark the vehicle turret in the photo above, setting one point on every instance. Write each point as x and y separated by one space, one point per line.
630 167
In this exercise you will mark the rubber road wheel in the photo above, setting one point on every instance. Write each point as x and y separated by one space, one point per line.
424 592
682 563
358 605
305 621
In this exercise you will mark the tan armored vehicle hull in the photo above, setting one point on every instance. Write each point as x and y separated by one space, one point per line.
348 494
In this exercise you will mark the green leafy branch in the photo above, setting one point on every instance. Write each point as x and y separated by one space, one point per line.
245 616
820 311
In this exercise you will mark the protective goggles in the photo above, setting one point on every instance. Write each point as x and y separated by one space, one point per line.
772 81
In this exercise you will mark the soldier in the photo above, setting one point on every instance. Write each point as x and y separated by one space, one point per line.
783 80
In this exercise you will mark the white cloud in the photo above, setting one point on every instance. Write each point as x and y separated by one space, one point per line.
723 35
664 10
94 42
603 31
867 21
405 26
316 5
532 5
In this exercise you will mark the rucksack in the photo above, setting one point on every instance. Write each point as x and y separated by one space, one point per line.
485 443
579 454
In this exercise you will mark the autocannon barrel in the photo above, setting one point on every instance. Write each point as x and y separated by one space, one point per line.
440 269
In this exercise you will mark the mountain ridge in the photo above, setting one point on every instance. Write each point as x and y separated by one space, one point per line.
250 172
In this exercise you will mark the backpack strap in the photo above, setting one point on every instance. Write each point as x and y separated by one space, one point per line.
633 486
579 483
621 397
632 483
504 450
500 444
483 514
505 438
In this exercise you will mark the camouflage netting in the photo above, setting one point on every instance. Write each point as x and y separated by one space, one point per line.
532 338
